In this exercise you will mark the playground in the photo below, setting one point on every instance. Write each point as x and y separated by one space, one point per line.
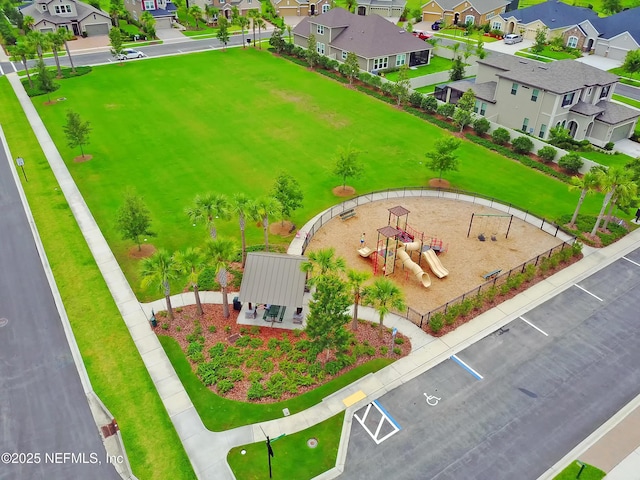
441 225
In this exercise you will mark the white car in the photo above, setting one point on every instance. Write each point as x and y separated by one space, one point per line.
512 39
129 53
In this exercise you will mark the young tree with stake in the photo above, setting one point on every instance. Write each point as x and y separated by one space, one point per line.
77 131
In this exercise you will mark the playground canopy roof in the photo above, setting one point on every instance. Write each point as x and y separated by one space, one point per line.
399 211
389 231
273 278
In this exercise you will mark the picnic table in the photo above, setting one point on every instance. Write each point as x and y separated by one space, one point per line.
274 310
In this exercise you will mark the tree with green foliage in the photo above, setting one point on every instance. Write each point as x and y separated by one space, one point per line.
323 262
220 253
55 42
312 54
210 12
611 6
148 22
522 145
355 281
22 51
547 153
540 40
133 219
261 210
328 315
115 7
182 9
571 162
500 136
253 15
608 181
39 41
446 110
402 86
631 63
276 41
457 71
65 36
241 207
76 131
235 14
261 24
429 103
158 271
589 183
351 66
462 116
223 31
288 193
348 164
191 262
115 40
443 158
481 126
44 81
195 12
384 295
243 23
350 5
207 209
626 194
27 22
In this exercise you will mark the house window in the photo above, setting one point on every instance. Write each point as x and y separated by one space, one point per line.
325 8
320 48
525 124
380 63
496 26
344 54
543 130
249 2
476 107
401 59
568 99
320 30
483 108
149 5
469 19
605 91
514 88
62 8
534 95
572 42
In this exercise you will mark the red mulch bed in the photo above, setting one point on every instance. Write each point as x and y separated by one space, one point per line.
184 324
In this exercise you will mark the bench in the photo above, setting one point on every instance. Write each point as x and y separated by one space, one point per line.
347 214
490 275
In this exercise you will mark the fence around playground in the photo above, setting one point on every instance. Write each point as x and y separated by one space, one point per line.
305 235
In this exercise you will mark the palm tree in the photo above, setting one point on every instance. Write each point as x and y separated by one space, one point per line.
114 13
235 14
149 23
289 32
65 35
243 22
196 12
220 252
609 180
55 41
22 51
384 295
587 184
625 194
322 262
158 271
191 262
261 211
27 23
355 280
261 25
241 206
210 11
207 208
39 41
253 15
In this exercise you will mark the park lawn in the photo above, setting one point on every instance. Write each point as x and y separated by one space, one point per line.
171 135
293 459
115 368
437 64
608 159
589 473
219 414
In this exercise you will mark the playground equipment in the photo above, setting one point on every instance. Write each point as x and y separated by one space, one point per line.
413 267
434 264
496 225
365 252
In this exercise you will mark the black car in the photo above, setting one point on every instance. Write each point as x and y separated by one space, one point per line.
436 25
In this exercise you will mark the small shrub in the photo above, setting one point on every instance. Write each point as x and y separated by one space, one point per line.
399 341
297 333
255 330
244 330
165 326
256 343
415 99
547 153
255 376
333 367
212 329
224 386
514 281
609 146
267 366
384 350
505 288
227 328
545 265
429 103
465 307
554 260
236 375
243 341
272 343
490 294
178 328
522 145
397 350
478 302
453 312
529 272
162 314
217 350
207 280
576 248
481 126
179 310
446 110
436 322
500 136
571 162
256 391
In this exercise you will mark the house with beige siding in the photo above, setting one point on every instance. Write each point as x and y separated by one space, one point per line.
163 11
378 43
461 12
76 17
534 97
298 8
384 8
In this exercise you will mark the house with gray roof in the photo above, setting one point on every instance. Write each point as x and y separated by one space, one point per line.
163 11
461 12
534 97
378 43
618 34
77 17
384 8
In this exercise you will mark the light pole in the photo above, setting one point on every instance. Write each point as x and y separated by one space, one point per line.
20 162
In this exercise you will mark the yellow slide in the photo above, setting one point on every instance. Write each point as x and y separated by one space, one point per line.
413 267
435 264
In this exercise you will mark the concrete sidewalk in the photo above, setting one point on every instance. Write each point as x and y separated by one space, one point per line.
207 450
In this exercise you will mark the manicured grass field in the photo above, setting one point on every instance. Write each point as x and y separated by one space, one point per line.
220 414
437 64
458 34
175 127
115 368
293 459
607 159
589 473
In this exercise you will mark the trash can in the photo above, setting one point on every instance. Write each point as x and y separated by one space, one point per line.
237 306
153 321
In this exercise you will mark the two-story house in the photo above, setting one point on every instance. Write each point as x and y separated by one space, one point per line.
534 97
461 12
163 11
77 17
226 6
384 8
298 8
378 43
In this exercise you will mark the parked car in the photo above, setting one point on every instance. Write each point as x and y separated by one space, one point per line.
129 53
436 25
512 39
421 35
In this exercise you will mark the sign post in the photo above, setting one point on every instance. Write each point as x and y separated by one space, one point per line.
393 339
20 162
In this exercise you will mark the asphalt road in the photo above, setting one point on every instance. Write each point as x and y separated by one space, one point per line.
539 397
47 430
627 91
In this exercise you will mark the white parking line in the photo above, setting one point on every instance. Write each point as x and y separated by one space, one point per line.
466 367
587 291
631 261
1 71
384 417
532 325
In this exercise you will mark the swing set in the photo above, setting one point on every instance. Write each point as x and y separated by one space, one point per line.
493 221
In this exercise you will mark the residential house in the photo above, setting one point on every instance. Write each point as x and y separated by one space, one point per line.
77 17
163 11
384 8
533 97
378 43
618 34
297 8
226 6
461 12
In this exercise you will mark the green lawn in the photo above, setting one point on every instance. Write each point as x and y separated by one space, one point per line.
589 473
546 55
597 4
115 368
437 64
195 140
533 56
610 160
129 28
458 34
293 459
426 89
220 414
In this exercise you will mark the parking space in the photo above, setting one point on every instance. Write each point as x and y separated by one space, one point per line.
377 422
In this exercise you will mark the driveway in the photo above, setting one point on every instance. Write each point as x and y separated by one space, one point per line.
599 62
628 147
169 34
502 47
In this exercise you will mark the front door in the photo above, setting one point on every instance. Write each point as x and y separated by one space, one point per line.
76 30
313 9
362 11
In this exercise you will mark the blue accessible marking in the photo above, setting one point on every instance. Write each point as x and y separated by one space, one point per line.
389 417
466 367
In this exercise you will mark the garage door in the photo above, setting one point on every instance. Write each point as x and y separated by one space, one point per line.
431 17
617 53
97 29
620 133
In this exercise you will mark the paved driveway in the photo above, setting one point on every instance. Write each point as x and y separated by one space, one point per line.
547 383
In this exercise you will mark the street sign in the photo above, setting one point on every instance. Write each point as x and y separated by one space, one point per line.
20 161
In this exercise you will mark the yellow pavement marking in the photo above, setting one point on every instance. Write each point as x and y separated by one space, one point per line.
356 397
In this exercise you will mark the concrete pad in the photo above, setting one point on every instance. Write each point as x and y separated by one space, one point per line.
177 403
139 331
188 424
316 414
628 469
169 387
158 365
202 451
237 436
217 471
